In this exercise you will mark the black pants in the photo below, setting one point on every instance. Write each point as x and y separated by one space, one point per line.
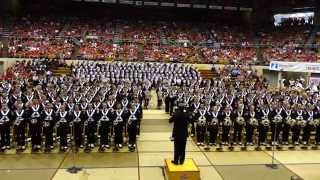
263 130
285 132
249 133
200 133
225 133
295 133
36 139
91 137
213 130
179 151
118 131
237 133
306 133
5 137
275 131
132 132
104 136
159 103
63 139
48 139
317 138
21 139
166 104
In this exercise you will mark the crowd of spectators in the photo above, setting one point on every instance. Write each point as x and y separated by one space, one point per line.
168 41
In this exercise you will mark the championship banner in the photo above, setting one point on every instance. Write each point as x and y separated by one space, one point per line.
294 66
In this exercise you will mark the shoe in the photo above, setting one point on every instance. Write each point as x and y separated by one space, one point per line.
286 143
296 143
81 146
107 146
51 147
202 144
210 144
134 145
120 145
240 143
3 148
181 163
198 144
304 143
192 135
173 162
23 147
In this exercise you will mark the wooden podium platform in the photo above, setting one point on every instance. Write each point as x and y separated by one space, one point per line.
188 171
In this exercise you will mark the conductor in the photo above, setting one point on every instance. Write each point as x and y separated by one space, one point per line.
180 132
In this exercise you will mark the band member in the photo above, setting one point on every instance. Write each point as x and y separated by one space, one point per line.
264 119
139 114
6 117
48 125
308 116
194 108
166 101
276 123
317 123
226 125
118 125
288 123
63 127
20 126
132 125
35 125
180 133
213 124
251 125
91 126
147 98
239 123
200 117
104 125
78 117
159 98
300 123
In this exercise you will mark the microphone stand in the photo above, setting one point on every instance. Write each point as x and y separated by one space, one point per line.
74 169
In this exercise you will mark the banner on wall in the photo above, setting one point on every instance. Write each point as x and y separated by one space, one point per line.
294 66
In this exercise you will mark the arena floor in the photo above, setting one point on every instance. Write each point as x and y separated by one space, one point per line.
147 162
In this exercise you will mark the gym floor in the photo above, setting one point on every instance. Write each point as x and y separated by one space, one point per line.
147 162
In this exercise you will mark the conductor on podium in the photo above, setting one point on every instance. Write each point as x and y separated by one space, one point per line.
181 120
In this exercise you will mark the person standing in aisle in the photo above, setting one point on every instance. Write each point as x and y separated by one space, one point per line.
181 119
